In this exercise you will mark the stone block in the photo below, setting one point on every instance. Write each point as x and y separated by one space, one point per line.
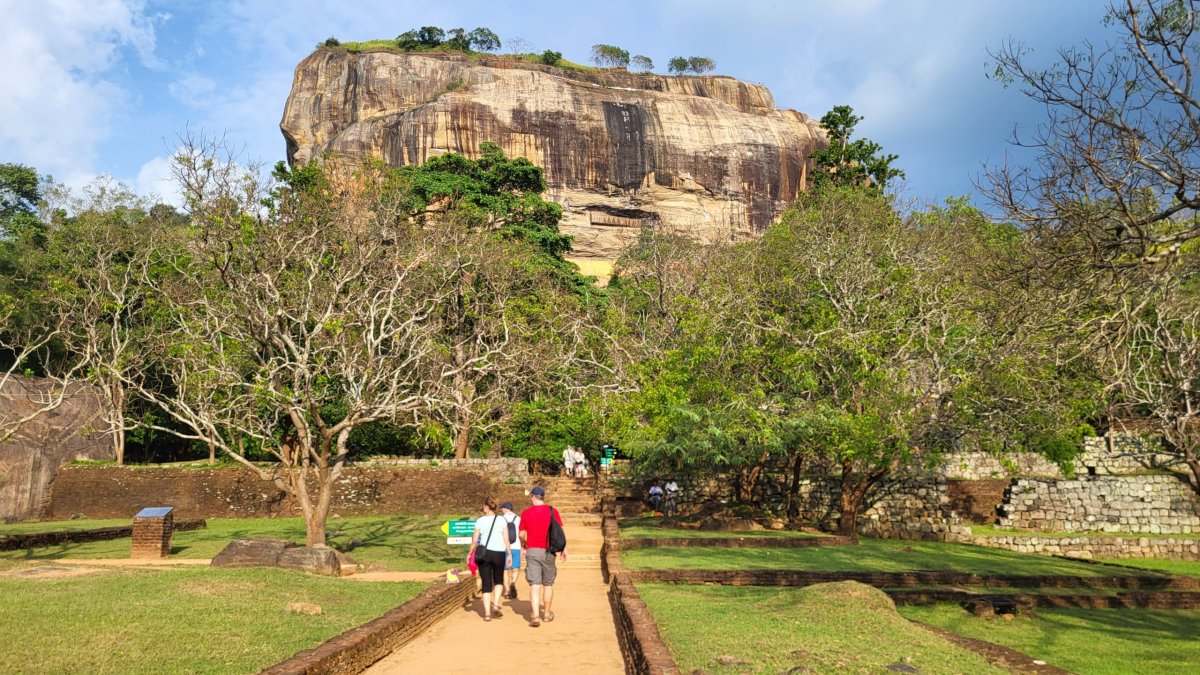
311 559
252 553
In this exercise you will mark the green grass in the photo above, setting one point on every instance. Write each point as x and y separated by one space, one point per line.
404 543
828 628
650 527
1093 641
178 621
1190 568
28 527
870 555
991 531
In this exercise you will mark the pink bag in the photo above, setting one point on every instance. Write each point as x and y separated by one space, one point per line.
471 565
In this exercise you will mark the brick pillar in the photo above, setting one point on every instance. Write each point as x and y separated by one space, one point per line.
152 532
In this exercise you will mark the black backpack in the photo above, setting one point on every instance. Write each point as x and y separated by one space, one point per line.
556 539
512 531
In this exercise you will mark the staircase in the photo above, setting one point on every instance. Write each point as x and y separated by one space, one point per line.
579 506
570 496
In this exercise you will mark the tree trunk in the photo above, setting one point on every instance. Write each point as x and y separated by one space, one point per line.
750 482
314 525
212 452
850 499
462 435
117 395
793 501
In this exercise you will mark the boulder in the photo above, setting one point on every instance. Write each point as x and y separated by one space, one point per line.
252 553
311 559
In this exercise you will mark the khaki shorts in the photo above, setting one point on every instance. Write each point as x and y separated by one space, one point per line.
539 568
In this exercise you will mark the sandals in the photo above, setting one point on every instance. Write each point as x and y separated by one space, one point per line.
487 617
535 622
496 612
549 617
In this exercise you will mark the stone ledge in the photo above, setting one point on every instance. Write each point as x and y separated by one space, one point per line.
16 542
902 579
1084 547
737 542
356 649
1133 600
642 646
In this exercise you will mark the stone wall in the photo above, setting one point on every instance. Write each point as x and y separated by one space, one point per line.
1169 548
503 469
909 507
1109 455
1152 504
30 459
113 492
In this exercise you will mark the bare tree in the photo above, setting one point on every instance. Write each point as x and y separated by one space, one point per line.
1117 170
280 312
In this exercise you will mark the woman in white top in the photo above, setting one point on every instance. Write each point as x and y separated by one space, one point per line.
580 464
491 532
569 460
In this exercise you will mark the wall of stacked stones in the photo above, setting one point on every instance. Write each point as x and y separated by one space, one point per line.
1110 455
1154 504
1169 548
911 507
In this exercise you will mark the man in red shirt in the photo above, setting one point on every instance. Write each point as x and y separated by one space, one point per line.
540 570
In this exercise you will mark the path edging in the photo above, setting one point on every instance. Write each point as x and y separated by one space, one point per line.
16 542
357 649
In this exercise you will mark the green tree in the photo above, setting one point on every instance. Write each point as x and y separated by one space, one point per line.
458 40
484 40
851 163
550 58
701 64
678 65
642 63
609 56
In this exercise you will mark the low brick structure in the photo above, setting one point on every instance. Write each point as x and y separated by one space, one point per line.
152 529
115 492
903 579
16 542
356 649
1131 600
737 542
642 646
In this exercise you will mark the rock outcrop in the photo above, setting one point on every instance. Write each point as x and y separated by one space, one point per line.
30 459
709 156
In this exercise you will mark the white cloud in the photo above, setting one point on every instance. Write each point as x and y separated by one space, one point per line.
58 100
155 179
193 90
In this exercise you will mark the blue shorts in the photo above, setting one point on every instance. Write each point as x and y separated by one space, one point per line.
516 560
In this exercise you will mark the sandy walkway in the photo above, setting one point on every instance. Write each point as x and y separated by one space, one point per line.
581 639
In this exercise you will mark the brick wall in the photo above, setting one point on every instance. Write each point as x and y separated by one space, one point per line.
114 492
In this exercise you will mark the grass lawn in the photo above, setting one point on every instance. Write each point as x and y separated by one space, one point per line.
991 531
1190 568
178 621
871 555
1092 641
62 525
637 528
828 628
403 543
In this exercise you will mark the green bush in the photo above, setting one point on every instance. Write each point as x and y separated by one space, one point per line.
551 58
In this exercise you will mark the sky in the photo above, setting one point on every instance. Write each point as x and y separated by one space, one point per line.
92 87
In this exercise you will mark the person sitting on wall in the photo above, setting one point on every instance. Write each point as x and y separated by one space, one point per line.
656 497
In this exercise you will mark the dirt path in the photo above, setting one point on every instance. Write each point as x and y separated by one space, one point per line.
581 639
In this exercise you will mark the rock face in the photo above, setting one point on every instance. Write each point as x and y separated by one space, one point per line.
30 459
709 156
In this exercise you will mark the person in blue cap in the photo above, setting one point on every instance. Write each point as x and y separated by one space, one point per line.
540 570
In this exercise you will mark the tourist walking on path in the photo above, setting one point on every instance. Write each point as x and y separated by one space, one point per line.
513 523
569 461
540 570
491 533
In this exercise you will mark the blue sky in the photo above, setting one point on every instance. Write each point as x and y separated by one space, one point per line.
106 86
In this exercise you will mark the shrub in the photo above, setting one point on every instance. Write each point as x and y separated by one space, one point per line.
331 42
551 58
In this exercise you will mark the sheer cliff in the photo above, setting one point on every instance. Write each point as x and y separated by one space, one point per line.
710 156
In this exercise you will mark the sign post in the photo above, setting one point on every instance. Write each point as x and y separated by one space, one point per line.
458 531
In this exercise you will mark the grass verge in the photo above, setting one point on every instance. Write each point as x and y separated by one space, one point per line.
871 555
1190 568
636 528
28 527
402 543
1099 641
177 621
827 628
